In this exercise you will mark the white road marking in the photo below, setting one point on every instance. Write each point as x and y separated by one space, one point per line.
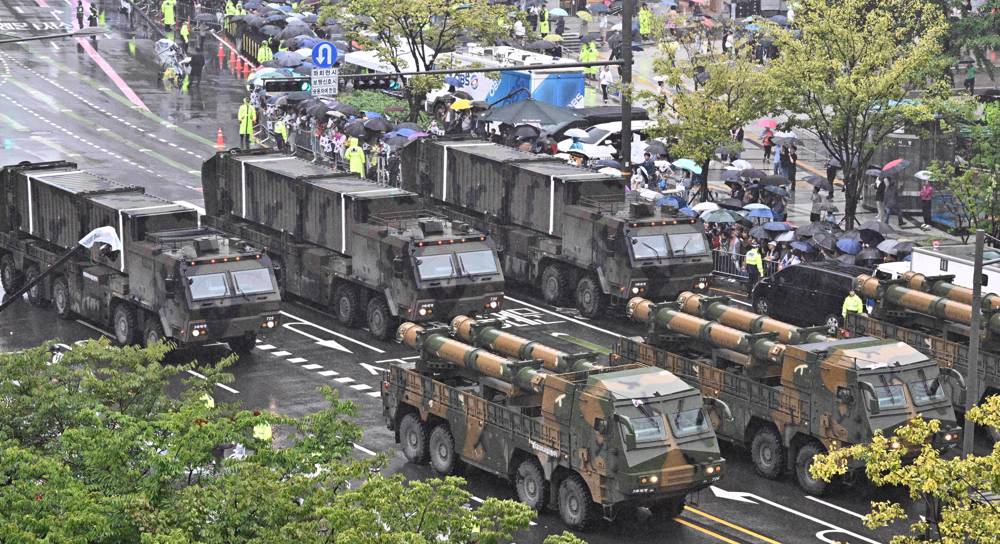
372 369
361 387
375 394
835 507
219 385
567 318
328 373
312 367
345 379
363 449
265 347
297 360
98 329
334 333
281 353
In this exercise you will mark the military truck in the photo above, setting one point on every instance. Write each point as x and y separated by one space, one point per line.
369 252
592 443
933 315
172 278
566 230
791 402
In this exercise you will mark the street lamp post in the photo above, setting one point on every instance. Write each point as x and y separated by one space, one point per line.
626 85
975 331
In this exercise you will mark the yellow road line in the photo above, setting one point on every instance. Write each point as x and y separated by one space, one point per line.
701 529
731 525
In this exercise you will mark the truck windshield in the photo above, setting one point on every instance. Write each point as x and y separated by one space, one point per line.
650 247
434 267
249 282
926 392
208 286
889 396
688 422
691 243
647 429
478 262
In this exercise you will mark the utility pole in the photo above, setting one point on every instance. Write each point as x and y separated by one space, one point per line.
625 155
975 330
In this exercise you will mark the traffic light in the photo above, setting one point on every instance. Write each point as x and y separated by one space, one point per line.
376 82
287 84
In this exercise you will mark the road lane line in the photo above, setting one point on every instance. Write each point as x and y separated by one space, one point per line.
335 333
731 525
566 317
708 532
201 376
363 449
297 360
312 367
98 329
328 373
835 507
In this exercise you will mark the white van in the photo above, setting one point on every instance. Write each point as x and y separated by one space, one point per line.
957 260
604 140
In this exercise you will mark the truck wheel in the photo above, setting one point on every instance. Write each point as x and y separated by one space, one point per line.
243 345
61 298
554 284
35 295
668 508
413 438
153 332
348 305
381 323
576 507
768 453
9 275
443 458
532 487
590 301
124 322
803 460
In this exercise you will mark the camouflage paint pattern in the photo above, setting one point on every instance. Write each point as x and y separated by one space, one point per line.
819 398
718 309
575 422
944 288
921 302
487 333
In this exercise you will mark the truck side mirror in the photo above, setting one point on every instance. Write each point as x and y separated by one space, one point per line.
947 375
397 267
723 409
872 397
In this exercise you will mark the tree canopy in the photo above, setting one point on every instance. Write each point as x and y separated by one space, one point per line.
846 68
92 450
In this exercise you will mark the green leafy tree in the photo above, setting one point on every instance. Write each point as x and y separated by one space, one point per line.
975 33
92 450
955 492
428 29
709 94
846 67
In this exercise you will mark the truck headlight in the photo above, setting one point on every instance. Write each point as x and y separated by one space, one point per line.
492 303
199 329
269 322
950 436
422 311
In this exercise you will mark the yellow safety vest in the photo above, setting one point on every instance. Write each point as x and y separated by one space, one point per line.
852 304
753 259
247 115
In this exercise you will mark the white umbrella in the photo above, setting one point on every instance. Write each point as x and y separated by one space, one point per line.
608 171
787 236
923 175
576 133
705 207
741 164
305 52
755 206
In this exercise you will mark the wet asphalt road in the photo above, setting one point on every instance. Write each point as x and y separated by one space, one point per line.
101 104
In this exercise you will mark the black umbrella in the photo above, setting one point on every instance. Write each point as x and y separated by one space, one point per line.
378 125
254 20
397 141
656 147
411 126
817 227
346 109
868 255
825 240
759 233
773 180
525 132
846 259
318 110
775 190
296 28
730 204
297 96
541 45
530 111
752 173
355 128
818 181
732 176
877 227
873 172
276 17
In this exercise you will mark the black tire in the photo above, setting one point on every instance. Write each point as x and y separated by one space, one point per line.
413 439
347 305
832 322
9 274
668 508
124 324
590 300
62 298
768 453
153 332
531 485
803 460
760 306
36 295
441 451
243 345
576 507
381 322
554 284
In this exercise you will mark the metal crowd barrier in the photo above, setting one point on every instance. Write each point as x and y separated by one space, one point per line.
730 265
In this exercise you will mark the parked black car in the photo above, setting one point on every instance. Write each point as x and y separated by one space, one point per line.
807 294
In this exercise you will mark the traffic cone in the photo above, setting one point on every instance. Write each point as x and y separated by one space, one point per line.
222 53
247 69
232 56
239 65
220 142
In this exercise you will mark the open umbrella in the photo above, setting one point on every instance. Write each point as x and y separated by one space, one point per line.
868 256
461 104
541 45
851 247
779 19
576 133
894 167
525 132
705 207
815 228
873 172
924 175
558 12
755 206
878 227
296 28
608 163
818 181
804 247
889 247
597 8
355 128
752 173
585 15
378 125
773 180
530 111
759 233
721 216
777 226
775 190
761 214
288 59
769 123
553 38
741 164
788 236
346 109
656 147
731 204
732 177
688 164
825 240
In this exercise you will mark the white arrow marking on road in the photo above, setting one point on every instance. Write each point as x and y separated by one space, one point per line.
334 333
374 370
835 507
325 343
742 496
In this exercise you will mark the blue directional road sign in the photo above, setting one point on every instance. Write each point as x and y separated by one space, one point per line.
324 55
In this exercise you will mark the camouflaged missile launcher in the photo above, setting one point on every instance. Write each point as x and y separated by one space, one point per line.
593 443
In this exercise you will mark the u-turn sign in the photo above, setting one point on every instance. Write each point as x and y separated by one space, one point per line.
324 55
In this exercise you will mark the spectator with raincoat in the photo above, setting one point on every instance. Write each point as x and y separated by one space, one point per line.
645 22
355 157
167 9
247 116
264 52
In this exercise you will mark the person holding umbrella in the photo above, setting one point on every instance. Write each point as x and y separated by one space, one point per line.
767 142
926 195
892 202
832 166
